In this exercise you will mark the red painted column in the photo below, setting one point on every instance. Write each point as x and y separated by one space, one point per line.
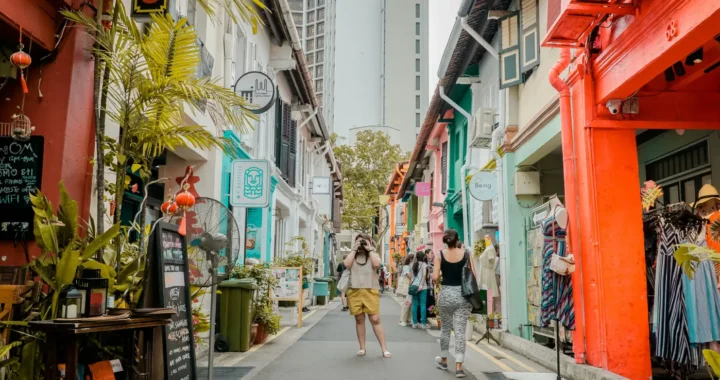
64 116
612 245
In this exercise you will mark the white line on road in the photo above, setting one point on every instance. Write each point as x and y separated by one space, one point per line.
500 364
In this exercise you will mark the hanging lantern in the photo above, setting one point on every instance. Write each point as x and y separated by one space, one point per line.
184 200
169 207
21 60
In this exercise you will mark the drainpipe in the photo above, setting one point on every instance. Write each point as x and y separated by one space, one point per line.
488 47
499 174
570 174
463 169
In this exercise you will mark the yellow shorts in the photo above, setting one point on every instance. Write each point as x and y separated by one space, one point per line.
363 301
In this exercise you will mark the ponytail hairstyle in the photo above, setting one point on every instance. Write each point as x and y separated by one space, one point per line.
409 259
451 238
419 258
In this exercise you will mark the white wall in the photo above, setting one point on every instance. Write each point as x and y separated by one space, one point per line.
358 64
400 108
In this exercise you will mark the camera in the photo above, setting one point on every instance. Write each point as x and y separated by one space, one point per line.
363 243
614 106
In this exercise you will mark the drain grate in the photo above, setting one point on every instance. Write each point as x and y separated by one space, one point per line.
225 373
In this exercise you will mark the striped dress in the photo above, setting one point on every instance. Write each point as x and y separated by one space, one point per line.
557 301
670 316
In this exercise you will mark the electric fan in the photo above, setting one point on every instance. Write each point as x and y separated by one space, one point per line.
213 250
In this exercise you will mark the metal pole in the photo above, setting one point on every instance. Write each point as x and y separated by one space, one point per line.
557 346
213 302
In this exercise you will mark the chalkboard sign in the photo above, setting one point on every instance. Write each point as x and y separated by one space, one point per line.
20 173
174 291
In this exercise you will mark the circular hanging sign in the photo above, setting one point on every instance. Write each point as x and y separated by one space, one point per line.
483 186
258 90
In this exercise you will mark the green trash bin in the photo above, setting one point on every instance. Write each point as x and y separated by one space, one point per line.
332 286
321 291
236 312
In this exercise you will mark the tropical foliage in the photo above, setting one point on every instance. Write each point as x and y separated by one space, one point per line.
151 79
689 255
367 166
297 258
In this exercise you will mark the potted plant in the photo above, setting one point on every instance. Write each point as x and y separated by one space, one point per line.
265 321
470 326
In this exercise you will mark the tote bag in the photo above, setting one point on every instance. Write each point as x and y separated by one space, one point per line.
344 283
470 290
403 285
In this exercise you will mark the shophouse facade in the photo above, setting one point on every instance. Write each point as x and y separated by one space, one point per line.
228 51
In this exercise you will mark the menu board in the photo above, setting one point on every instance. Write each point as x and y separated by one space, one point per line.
173 291
20 173
288 287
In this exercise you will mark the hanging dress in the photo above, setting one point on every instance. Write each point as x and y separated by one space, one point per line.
702 301
486 272
557 301
671 328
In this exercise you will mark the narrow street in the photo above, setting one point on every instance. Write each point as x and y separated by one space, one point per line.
325 349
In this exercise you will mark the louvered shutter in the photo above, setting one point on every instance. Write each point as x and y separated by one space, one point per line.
285 141
510 74
444 166
530 35
278 130
292 162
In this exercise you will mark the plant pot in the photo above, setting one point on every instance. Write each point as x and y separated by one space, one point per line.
253 333
469 331
261 335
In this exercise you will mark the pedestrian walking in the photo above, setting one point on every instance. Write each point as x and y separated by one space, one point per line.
453 307
404 284
430 260
381 279
364 295
338 274
419 290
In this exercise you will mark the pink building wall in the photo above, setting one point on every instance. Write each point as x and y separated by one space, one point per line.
436 215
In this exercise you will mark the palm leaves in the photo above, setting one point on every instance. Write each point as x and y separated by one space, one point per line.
238 10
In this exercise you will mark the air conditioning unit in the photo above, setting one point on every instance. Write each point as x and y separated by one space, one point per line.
482 127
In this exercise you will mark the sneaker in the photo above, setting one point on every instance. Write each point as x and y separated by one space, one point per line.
345 308
415 325
403 324
460 374
426 326
439 364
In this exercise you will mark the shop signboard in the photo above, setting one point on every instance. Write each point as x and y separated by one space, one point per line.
257 89
483 186
146 7
288 287
250 183
21 164
321 185
422 189
173 291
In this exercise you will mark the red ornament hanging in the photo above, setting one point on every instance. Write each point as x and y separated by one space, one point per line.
184 201
169 207
21 60
106 16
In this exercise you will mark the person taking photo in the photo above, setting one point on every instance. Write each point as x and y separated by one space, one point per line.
364 294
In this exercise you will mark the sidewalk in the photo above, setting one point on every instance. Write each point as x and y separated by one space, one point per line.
324 349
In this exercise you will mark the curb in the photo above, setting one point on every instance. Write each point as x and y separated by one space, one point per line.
548 358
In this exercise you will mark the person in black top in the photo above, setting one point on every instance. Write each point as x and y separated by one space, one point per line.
454 308
338 273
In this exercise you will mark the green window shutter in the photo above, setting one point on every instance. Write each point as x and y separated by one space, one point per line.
510 74
530 35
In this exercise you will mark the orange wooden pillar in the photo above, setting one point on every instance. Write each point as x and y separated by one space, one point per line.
610 285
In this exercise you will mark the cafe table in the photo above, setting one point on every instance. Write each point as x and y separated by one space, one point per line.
66 333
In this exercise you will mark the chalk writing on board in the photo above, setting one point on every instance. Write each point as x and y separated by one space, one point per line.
21 164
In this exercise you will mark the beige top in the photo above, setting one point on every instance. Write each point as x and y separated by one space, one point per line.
363 276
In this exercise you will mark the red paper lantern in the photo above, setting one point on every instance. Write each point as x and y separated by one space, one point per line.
185 200
169 207
21 60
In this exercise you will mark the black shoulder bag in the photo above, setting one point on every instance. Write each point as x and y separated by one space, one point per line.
470 290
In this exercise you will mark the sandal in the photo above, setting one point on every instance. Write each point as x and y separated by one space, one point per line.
387 355
361 353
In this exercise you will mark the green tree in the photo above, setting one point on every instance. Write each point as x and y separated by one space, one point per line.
367 166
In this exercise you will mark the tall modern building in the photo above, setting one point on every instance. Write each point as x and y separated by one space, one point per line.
315 23
370 62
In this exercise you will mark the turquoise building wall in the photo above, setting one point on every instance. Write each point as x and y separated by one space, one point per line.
457 132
